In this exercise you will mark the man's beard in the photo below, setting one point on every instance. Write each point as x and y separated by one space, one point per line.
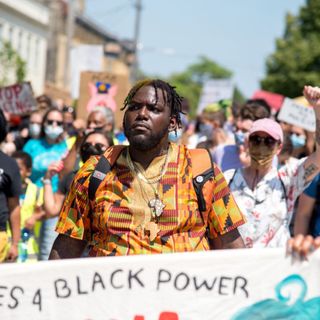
143 142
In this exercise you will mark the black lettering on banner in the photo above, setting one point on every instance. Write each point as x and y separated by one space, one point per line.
37 299
222 285
163 280
63 288
198 285
1 295
241 282
12 295
112 281
79 288
134 276
97 279
186 281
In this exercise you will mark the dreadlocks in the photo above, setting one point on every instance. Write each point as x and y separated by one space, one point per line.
170 96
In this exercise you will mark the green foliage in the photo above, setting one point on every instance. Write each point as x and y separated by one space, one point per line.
296 60
11 63
189 82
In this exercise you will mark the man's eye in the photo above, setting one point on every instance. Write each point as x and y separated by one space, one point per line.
133 107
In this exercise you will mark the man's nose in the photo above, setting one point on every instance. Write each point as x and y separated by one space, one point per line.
143 112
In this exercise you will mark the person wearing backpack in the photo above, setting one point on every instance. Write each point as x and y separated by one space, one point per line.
266 195
152 196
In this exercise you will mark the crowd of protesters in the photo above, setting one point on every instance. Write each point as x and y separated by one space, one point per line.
267 163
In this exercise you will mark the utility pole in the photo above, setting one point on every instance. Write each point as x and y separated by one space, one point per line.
135 65
69 33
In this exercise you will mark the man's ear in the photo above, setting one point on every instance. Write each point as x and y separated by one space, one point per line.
173 125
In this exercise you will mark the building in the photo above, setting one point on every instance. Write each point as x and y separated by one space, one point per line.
25 24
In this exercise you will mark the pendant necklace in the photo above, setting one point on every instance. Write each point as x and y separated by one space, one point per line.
155 204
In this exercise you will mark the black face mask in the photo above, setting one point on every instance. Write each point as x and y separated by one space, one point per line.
87 150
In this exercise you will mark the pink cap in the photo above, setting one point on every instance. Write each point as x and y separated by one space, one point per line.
269 126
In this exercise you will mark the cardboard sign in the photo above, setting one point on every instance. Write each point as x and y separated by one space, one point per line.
17 99
214 91
298 115
226 284
56 93
102 89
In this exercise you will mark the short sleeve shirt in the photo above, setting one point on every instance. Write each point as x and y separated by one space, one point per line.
268 209
113 226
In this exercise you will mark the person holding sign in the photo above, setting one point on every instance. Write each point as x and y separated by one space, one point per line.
146 202
266 195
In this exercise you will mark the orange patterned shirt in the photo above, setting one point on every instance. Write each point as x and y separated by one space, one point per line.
115 225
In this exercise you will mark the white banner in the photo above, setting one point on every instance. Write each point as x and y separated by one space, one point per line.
298 115
214 91
239 284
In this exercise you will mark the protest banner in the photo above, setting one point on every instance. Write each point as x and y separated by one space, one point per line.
225 284
102 89
298 115
214 91
17 99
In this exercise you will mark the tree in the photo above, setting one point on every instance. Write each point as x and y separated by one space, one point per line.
189 82
11 65
296 60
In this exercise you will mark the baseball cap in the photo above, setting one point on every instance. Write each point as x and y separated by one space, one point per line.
269 126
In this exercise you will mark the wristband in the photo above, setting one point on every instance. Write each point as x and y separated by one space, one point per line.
46 181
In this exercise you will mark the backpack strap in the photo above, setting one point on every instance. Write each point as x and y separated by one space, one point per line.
202 172
104 165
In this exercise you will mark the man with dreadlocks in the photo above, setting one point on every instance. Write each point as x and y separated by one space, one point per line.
146 202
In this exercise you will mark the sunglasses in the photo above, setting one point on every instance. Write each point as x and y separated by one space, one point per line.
99 147
267 141
51 122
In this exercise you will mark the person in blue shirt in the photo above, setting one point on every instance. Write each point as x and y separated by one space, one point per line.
307 220
50 147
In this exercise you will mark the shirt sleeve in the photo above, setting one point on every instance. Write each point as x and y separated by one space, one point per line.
225 214
15 189
311 191
74 220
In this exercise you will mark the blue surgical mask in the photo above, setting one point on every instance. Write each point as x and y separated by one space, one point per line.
34 130
174 136
52 132
239 137
298 141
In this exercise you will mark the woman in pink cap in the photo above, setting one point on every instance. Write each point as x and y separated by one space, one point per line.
265 194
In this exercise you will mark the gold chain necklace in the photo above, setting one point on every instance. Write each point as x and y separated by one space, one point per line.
155 204
141 175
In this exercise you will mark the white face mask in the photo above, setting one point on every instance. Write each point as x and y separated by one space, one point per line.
53 132
34 130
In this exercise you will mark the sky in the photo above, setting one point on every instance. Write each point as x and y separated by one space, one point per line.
237 34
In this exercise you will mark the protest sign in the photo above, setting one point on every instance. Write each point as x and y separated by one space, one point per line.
17 99
102 89
84 57
223 284
298 115
214 91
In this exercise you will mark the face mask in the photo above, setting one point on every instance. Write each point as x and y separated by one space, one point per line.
34 130
261 156
184 120
174 136
52 132
297 140
239 137
206 130
87 150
